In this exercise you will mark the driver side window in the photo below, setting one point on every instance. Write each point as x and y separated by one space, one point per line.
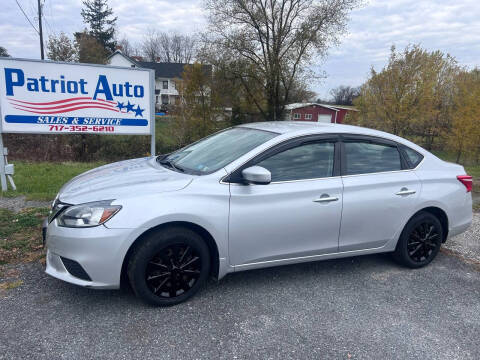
306 161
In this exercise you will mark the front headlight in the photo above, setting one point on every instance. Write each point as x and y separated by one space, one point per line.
88 215
57 207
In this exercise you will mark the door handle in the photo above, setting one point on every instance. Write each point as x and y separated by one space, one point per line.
325 198
405 191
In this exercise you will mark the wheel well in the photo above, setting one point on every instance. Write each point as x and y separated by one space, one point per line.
206 236
441 216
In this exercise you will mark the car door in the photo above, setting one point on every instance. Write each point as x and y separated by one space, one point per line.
379 193
297 214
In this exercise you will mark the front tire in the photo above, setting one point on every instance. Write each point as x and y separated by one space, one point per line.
169 266
420 241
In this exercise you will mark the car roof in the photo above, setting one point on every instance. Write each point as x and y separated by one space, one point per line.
306 128
299 128
283 127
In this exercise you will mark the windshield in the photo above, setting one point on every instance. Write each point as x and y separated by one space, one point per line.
214 152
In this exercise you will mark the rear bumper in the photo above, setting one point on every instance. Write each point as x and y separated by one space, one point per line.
99 251
460 213
460 228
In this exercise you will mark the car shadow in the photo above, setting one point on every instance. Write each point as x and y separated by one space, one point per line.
235 284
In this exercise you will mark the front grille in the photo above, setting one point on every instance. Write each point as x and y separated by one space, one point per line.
75 269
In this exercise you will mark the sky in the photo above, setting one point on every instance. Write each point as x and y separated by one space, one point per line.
450 26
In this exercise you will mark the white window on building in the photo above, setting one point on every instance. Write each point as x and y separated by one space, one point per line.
308 116
297 116
165 84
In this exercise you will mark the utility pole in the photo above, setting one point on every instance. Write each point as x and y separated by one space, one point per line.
40 29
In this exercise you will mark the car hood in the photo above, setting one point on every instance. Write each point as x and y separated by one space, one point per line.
122 179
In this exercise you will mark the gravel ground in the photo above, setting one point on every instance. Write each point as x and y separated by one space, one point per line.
358 308
18 203
467 244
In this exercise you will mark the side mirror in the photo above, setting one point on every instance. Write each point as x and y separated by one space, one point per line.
257 175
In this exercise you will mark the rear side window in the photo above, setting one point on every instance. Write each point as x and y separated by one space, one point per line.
366 157
306 161
413 158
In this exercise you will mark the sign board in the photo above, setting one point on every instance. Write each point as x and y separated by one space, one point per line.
43 97
46 97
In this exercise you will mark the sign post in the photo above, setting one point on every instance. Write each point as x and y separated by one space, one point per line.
3 175
152 112
46 97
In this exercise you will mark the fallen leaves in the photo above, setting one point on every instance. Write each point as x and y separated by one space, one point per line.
8 285
21 235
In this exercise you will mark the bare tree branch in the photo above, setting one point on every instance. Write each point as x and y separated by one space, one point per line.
279 38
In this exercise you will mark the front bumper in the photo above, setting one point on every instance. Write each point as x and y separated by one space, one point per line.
98 250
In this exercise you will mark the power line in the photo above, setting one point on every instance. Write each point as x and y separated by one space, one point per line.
48 24
52 18
26 17
45 21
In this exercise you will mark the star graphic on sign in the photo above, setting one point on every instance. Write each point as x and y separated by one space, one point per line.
138 111
129 106
120 105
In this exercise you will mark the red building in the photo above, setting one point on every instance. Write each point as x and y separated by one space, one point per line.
317 112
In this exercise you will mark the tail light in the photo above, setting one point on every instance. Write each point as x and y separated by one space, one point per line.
466 180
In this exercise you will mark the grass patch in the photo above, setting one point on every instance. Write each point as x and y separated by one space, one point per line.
43 180
21 234
10 285
164 140
474 171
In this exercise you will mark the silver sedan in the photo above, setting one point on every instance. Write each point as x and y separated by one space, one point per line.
254 196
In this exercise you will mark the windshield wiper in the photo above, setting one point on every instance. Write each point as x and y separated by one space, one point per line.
170 164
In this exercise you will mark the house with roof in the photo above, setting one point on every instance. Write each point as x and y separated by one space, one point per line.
324 113
165 74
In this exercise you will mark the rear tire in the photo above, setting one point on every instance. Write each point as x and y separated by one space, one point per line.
169 266
420 241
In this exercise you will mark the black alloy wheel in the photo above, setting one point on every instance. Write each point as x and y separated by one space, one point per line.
169 266
173 271
423 241
420 240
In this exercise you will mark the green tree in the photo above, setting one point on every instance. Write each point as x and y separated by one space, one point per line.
88 49
4 52
270 44
98 16
61 48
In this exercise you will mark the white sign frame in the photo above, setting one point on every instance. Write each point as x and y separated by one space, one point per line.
151 74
